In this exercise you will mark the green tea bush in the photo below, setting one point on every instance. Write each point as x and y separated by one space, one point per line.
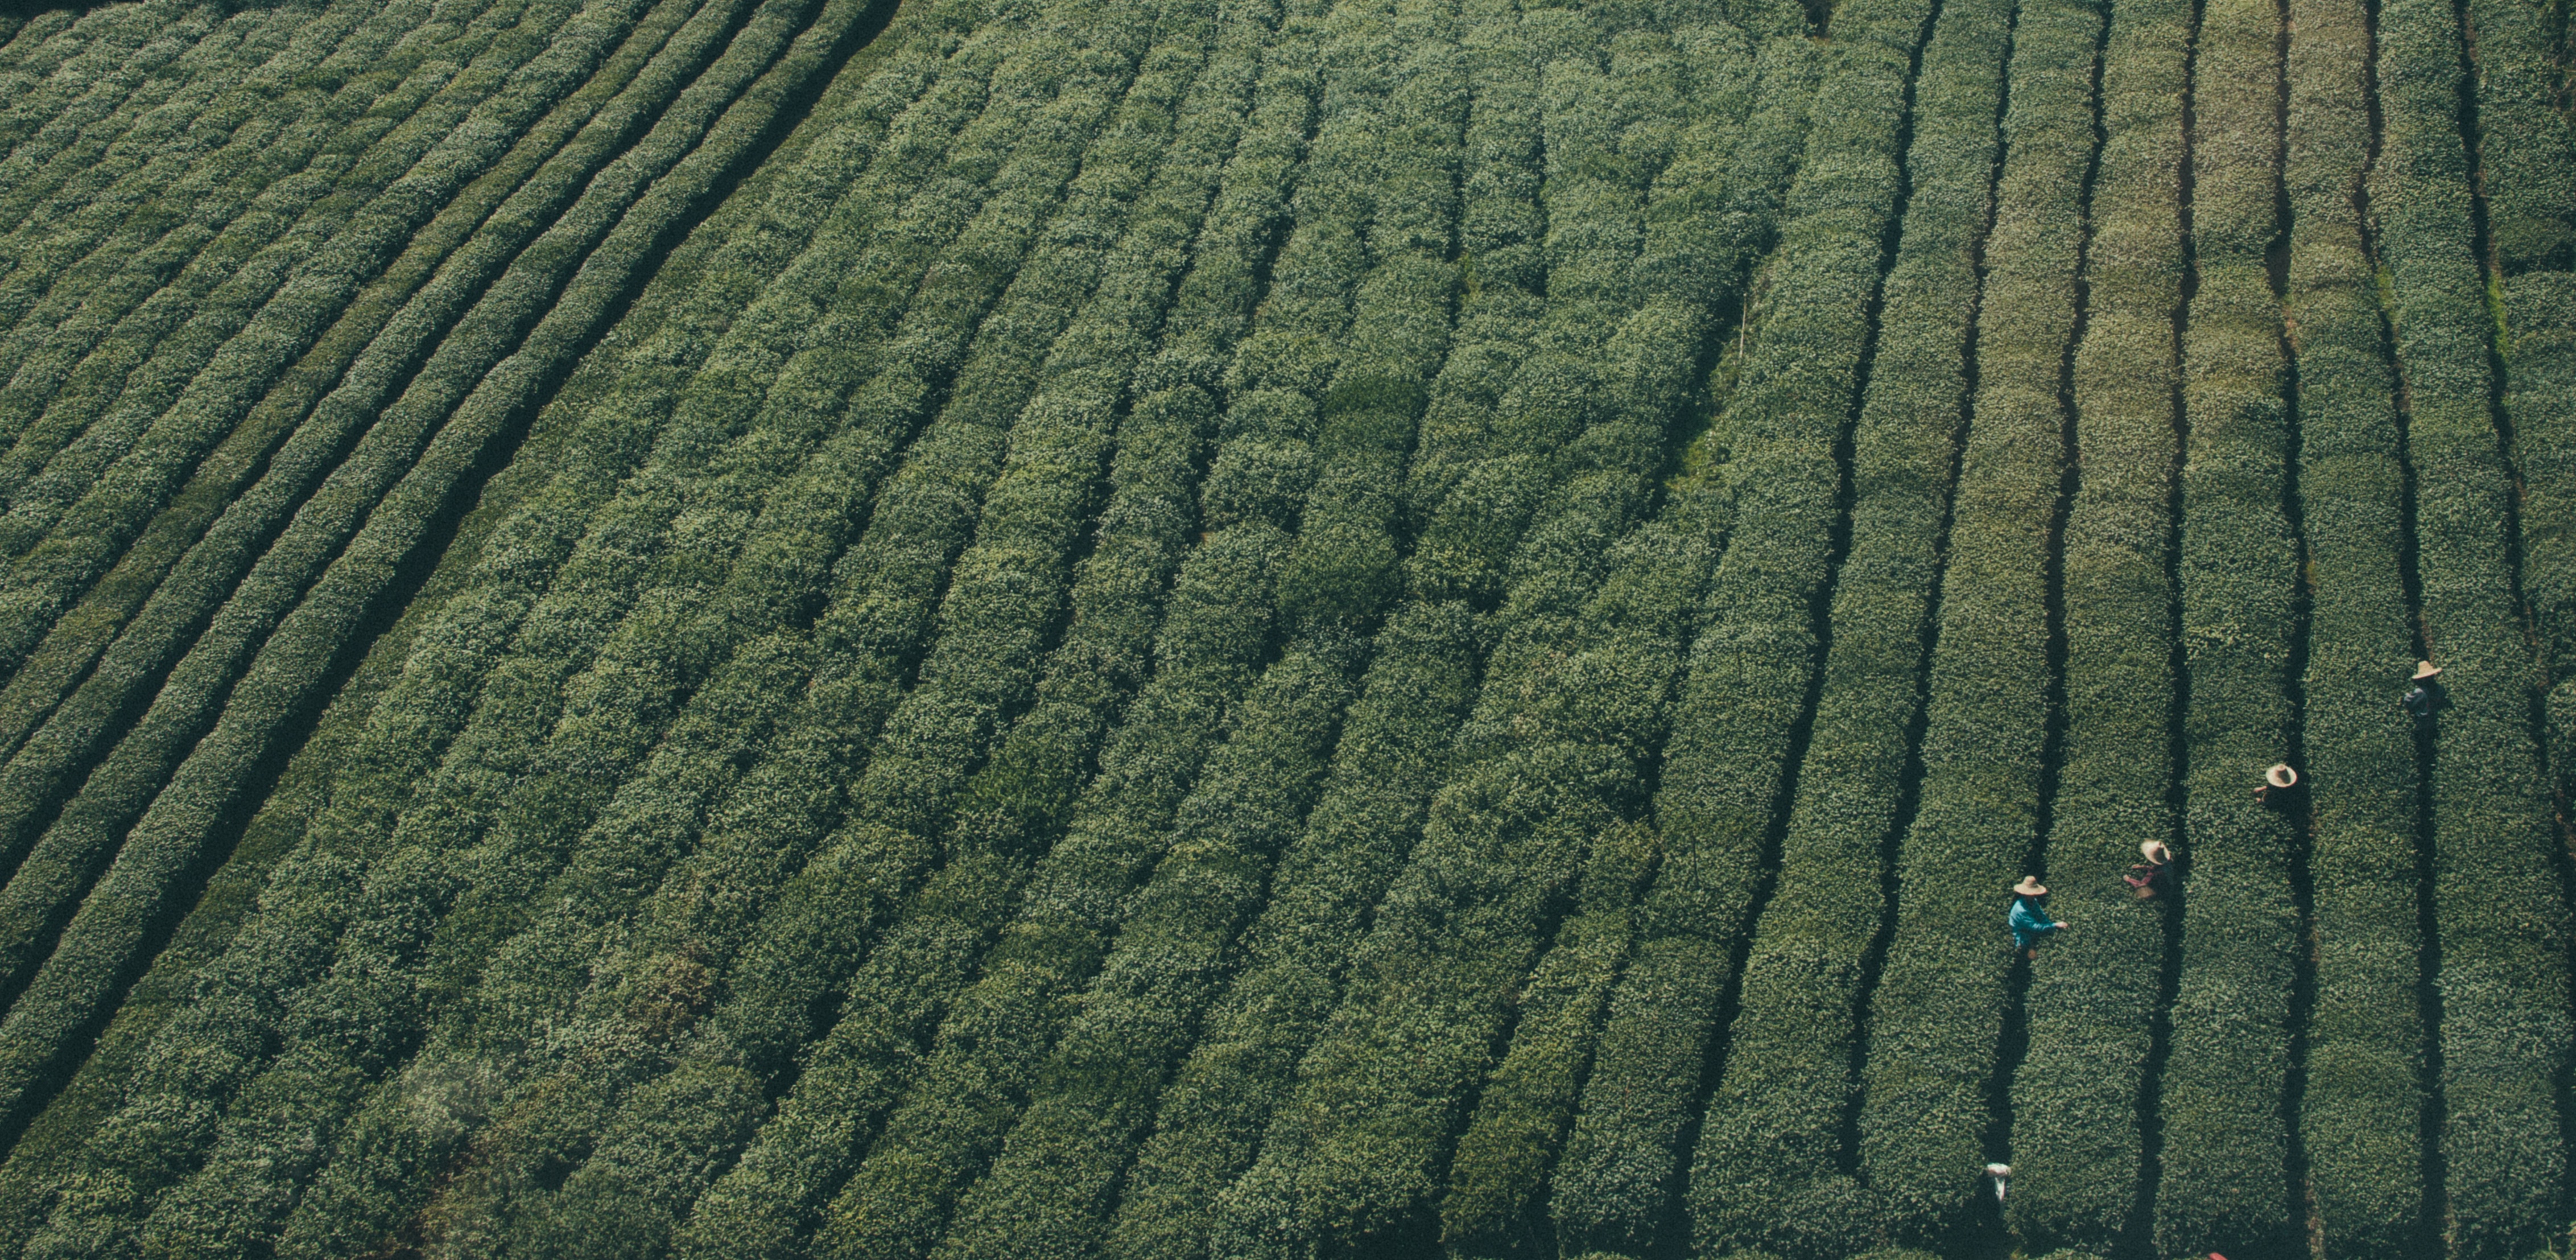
1393 751
1623 1152
2078 1144
601 853
2360 1118
682 158
1767 1173
2225 1090
1936 1019
2499 912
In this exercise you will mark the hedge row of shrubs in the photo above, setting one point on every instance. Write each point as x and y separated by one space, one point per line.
87 91
97 946
1327 432
52 656
116 794
2499 913
573 455
142 433
243 132
59 58
1619 1169
1498 1175
240 137
877 622
613 710
2361 1115
2077 1137
2224 1101
86 724
1768 1170
2527 171
123 665
294 290
801 953
1937 1018
1051 1181
1206 1123
1586 642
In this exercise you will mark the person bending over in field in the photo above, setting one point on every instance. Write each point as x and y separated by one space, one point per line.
2030 921
2148 877
2427 697
2278 785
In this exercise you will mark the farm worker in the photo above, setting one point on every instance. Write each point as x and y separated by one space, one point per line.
2427 698
2029 921
2151 882
2277 782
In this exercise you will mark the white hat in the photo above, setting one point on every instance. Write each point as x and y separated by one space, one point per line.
2155 851
2281 775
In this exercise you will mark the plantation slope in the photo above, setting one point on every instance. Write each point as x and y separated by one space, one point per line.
1284 629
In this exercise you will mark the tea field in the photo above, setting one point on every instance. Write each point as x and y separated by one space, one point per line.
1283 629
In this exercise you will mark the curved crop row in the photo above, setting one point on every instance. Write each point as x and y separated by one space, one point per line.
70 523
26 241
795 946
55 656
228 137
2361 1117
66 63
2527 170
1623 1155
2225 1103
1355 1142
89 825
1174 942
2499 912
164 189
49 1156
2078 1142
1753 669
67 438
101 317
508 1021
2526 146
1937 1017
697 144
614 407
1767 1171
1206 1122
55 648
900 1195
608 694
125 68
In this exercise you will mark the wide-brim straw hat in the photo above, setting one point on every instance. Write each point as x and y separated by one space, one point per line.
2155 851
2031 887
2281 775
2426 669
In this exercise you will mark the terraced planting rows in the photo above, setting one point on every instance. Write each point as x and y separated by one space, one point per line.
1211 629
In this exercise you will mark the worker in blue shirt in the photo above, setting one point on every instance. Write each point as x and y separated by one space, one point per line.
2029 920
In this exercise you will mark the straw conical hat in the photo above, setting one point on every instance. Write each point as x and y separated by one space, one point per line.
2426 669
2281 775
2031 887
2155 851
